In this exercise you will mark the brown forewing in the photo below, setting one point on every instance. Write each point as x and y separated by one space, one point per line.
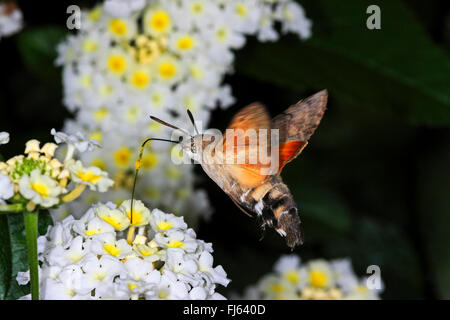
297 123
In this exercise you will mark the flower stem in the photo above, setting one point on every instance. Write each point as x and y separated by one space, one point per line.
10 208
70 151
31 232
75 193
130 236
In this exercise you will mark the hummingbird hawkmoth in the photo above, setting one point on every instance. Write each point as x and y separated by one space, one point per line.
256 187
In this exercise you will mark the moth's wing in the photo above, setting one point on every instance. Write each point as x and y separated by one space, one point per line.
296 125
240 206
253 116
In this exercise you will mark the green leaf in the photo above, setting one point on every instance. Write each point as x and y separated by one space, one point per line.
5 257
434 206
18 256
396 70
37 47
13 253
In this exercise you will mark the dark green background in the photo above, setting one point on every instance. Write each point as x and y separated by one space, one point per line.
374 182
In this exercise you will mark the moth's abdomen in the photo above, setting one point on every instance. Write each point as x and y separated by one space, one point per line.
289 222
278 210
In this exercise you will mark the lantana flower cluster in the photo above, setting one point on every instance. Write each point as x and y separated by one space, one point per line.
37 179
98 257
314 280
133 59
11 20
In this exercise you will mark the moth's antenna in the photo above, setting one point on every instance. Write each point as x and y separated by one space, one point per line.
137 167
192 120
169 125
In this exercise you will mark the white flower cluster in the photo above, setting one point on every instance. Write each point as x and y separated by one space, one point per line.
38 179
133 59
10 19
90 258
315 280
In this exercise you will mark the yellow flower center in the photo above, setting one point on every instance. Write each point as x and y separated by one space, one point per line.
196 72
88 176
91 232
292 277
100 114
86 80
105 90
137 217
162 294
318 279
173 173
112 221
197 7
40 188
276 287
361 289
156 127
241 10
89 45
140 79
149 160
122 157
75 256
167 70
99 276
185 43
175 244
118 27
156 99
222 34
287 14
132 286
116 64
112 249
165 225
95 14
160 21
132 114
189 102
145 250
71 292
99 163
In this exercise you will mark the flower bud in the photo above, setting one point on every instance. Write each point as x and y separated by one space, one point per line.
49 149
14 160
64 174
139 239
3 166
43 158
55 173
32 146
34 155
55 164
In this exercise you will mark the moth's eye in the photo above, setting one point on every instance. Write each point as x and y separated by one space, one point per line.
180 139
